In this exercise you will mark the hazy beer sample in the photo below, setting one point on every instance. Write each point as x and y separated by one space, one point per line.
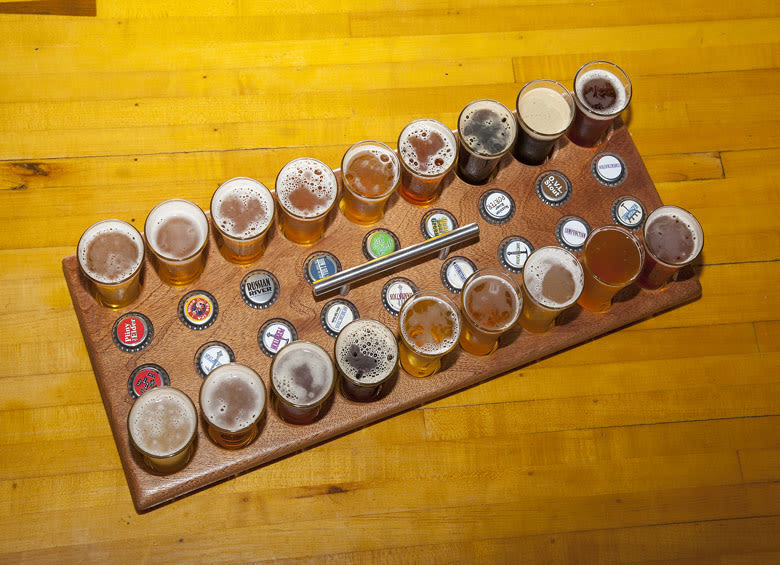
612 258
370 172
601 92
177 232
491 302
162 425
232 401
552 281
673 239
486 131
545 109
366 354
111 254
302 378
242 210
306 190
428 329
428 150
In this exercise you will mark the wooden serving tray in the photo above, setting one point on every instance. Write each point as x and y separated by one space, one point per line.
174 345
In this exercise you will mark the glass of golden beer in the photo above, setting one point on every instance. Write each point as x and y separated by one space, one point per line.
612 259
232 402
177 232
491 302
366 354
242 210
552 282
428 328
428 151
111 257
370 172
162 425
673 239
306 190
302 380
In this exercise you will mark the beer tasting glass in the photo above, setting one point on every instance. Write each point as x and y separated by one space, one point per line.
242 210
428 152
177 232
302 379
232 402
601 92
612 259
370 173
162 425
552 282
491 302
306 190
111 256
673 239
366 355
545 110
486 132
429 327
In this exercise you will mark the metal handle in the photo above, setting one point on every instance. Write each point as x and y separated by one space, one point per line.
342 280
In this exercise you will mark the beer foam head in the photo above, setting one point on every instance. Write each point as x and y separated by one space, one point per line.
385 159
487 127
366 351
581 80
544 108
110 251
302 373
492 300
242 207
674 214
427 147
557 268
306 187
176 209
232 397
430 323
162 421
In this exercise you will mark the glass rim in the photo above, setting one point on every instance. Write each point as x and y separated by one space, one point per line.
266 227
493 156
175 260
694 220
178 451
287 402
447 300
397 167
452 137
248 426
136 269
626 84
338 365
298 216
568 303
630 236
570 102
504 276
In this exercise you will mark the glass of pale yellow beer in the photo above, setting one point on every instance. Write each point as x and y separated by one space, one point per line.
428 328
111 257
162 425
306 190
428 151
242 211
491 302
177 232
370 173
552 282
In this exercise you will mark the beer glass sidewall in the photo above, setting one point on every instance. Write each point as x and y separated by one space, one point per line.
469 160
474 334
296 413
595 122
300 229
430 186
358 208
407 351
649 276
528 142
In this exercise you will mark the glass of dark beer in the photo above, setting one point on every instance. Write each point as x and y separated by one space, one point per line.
673 239
486 132
601 91
366 355
302 379
545 109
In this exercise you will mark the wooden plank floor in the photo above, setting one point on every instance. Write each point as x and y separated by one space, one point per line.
659 443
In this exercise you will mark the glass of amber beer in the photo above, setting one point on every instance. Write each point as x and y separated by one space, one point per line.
306 190
428 151
552 282
177 232
673 239
602 90
162 425
242 210
428 328
232 401
612 259
491 302
302 379
370 172
366 355
111 255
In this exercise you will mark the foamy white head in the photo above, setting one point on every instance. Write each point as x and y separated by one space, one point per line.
312 175
444 315
539 264
302 373
120 268
162 421
247 193
175 208
620 90
366 351
487 127
232 397
544 108
435 163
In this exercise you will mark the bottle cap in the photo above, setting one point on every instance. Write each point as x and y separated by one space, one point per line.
275 334
609 169
571 232
496 207
146 376
455 271
380 242
132 332
437 222
336 314
512 253
259 289
319 265
628 212
198 310
395 292
211 355
553 188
